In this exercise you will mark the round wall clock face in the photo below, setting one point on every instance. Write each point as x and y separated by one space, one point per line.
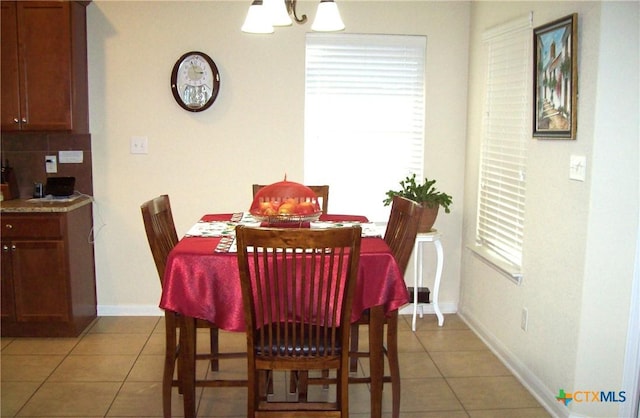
195 81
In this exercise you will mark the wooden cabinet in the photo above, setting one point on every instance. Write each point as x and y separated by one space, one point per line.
48 273
44 66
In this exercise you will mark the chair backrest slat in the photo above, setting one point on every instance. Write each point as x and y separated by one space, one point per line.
160 230
402 229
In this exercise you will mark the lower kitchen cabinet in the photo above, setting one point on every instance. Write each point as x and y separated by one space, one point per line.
48 272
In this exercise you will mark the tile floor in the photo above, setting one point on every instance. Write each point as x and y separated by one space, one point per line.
115 370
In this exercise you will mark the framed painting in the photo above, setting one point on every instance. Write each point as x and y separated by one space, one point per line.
555 66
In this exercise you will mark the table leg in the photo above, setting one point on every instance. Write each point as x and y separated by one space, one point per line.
376 329
417 271
436 285
187 365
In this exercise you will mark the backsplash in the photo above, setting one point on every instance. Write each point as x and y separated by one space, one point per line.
26 153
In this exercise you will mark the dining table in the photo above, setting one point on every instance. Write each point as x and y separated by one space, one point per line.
202 281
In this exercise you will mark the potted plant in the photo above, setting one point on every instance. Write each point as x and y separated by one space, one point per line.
427 195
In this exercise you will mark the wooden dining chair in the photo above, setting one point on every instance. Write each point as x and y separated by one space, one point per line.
161 234
400 236
321 192
297 289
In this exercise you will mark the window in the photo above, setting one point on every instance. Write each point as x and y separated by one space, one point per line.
506 130
364 117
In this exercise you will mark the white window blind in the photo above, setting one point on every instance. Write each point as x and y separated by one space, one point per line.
506 131
364 117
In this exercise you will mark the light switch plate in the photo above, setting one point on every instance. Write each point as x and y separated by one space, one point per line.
577 167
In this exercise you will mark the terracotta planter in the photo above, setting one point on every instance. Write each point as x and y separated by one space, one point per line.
429 215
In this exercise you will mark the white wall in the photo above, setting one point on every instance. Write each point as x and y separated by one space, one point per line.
579 236
253 133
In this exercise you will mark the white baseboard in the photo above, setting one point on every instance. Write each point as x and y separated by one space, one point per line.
129 310
427 309
528 379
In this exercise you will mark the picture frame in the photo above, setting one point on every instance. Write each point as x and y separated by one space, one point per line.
555 67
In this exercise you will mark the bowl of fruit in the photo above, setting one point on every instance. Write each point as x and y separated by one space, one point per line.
285 202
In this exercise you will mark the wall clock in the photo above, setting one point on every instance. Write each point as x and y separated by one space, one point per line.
195 81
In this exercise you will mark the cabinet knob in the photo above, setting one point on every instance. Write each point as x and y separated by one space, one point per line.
16 120
13 247
24 120
5 248
8 226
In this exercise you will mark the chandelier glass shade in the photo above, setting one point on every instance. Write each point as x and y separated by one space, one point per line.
263 15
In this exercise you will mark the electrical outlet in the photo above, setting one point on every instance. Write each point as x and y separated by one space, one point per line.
524 319
51 164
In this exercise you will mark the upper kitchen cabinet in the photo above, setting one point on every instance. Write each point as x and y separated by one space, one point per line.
44 67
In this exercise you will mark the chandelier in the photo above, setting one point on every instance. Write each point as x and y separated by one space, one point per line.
263 15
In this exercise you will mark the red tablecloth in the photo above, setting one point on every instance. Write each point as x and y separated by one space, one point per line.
205 284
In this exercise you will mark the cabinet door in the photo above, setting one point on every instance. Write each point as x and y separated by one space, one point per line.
10 109
40 273
7 307
44 33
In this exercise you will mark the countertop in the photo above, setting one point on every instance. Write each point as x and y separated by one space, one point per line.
44 205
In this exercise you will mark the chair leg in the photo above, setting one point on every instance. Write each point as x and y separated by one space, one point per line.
303 385
394 365
170 357
353 360
214 347
293 382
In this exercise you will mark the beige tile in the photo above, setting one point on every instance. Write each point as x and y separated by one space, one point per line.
154 345
359 399
429 322
228 341
363 337
28 368
409 342
105 368
491 392
450 340
468 363
41 346
88 399
223 402
417 366
510 413
364 368
233 341
413 365
436 414
95 344
5 341
235 369
126 355
150 368
139 399
144 399
14 395
159 327
125 325
426 395
147 369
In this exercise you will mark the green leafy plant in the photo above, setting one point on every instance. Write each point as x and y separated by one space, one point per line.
425 193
